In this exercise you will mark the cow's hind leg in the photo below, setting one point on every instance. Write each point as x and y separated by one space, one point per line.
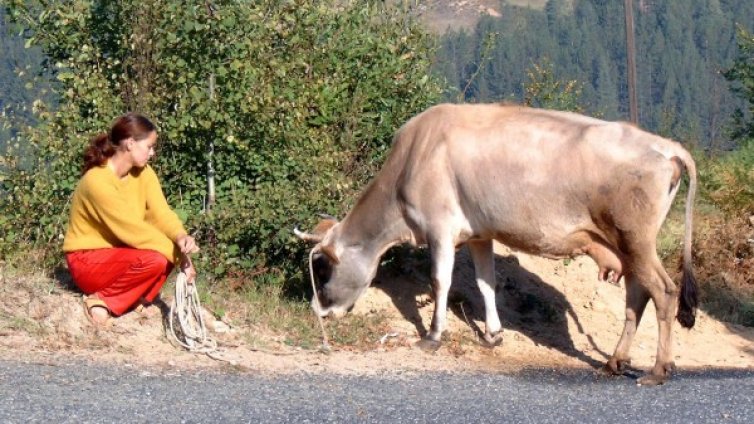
443 257
484 265
636 302
665 297
647 279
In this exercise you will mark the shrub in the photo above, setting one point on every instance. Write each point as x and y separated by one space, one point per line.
295 103
728 180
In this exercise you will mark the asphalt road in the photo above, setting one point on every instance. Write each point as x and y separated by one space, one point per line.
82 393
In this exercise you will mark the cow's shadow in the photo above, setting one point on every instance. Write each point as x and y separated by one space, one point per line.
525 302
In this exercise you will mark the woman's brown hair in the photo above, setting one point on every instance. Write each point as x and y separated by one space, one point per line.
103 146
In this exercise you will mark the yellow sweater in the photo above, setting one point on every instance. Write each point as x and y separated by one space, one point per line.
110 212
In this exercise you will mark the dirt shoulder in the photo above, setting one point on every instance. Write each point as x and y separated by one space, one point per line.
554 315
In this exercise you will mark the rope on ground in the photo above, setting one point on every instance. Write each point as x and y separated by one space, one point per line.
191 333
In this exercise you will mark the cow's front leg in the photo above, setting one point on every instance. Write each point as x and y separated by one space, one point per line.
484 265
443 256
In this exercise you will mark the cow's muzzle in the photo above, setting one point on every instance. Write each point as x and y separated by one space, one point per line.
328 312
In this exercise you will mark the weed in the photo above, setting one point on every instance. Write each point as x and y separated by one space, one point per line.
19 323
358 331
271 318
670 237
724 264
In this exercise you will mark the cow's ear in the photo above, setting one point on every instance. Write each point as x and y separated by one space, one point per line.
329 251
324 226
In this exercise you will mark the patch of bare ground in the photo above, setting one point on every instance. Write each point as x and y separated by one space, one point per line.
442 15
555 314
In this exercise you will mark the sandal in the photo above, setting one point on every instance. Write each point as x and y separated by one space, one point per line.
95 302
144 307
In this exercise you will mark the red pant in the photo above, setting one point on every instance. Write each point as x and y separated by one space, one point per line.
119 276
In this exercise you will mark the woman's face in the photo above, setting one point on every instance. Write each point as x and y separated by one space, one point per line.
143 150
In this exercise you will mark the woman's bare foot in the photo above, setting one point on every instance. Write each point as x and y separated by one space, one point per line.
99 314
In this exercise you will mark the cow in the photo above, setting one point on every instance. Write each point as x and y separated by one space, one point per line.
549 183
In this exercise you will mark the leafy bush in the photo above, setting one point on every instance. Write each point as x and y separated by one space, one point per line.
728 180
544 90
294 101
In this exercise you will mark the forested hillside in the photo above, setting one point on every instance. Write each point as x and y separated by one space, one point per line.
682 47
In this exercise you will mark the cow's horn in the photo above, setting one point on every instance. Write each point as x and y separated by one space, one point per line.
306 236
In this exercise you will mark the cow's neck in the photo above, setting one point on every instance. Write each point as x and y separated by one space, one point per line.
376 222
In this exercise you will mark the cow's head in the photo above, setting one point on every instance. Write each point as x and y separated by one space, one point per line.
341 273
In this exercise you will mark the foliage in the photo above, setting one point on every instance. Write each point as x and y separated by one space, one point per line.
728 180
543 90
306 96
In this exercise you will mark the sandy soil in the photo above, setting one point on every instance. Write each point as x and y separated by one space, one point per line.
555 314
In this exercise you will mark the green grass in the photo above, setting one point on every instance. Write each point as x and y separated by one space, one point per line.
19 323
670 237
271 320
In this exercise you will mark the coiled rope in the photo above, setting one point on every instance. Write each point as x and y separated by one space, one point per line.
191 333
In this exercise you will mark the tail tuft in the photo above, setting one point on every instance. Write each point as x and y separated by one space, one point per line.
687 299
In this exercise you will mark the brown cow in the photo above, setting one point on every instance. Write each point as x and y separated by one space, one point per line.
554 184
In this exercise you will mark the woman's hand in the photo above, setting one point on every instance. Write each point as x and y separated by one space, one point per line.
186 244
188 268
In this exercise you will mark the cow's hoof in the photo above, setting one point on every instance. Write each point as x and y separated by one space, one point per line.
616 366
428 345
652 380
493 340
659 375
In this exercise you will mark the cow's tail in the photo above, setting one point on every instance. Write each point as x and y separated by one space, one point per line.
688 296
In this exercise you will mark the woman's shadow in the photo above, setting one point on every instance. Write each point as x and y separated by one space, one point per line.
525 302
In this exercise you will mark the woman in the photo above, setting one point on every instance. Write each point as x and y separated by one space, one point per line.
123 239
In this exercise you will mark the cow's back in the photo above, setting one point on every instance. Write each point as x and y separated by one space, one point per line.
531 178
